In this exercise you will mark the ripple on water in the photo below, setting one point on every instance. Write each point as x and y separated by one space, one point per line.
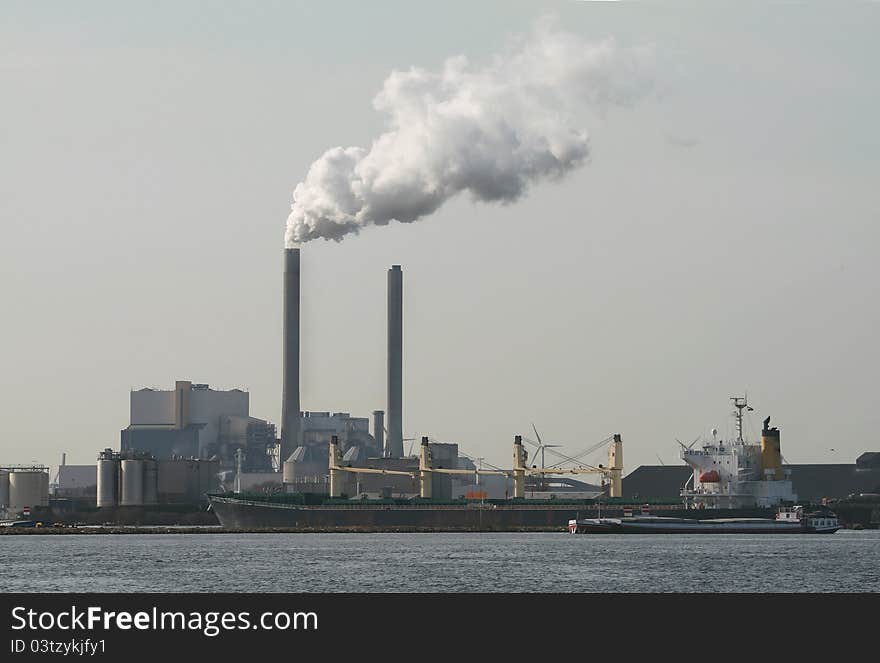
488 562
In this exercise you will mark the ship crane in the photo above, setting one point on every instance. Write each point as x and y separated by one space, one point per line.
613 472
519 471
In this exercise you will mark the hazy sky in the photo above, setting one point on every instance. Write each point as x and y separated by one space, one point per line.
722 239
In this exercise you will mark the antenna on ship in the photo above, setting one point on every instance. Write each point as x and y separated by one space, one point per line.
740 403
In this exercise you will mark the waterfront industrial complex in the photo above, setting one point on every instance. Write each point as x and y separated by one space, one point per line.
193 454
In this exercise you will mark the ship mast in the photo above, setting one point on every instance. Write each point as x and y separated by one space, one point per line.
740 403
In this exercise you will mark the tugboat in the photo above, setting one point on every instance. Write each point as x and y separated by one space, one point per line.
789 520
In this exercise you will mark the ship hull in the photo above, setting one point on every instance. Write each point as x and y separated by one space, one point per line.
685 526
236 512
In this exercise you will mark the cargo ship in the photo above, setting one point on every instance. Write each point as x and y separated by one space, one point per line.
295 512
732 480
788 520
336 511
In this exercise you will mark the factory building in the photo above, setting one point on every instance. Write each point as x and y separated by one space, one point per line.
195 421
309 462
23 489
254 437
76 481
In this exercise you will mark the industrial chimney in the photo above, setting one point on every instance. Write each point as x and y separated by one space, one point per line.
290 412
379 430
394 443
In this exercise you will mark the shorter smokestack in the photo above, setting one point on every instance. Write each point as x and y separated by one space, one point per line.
180 407
379 430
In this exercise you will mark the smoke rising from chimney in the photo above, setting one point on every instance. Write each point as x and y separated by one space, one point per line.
491 131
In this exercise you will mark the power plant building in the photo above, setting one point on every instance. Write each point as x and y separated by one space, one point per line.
195 421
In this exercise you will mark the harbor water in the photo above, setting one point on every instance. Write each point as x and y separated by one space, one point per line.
476 562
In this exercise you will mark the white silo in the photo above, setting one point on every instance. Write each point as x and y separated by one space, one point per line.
132 483
108 479
4 491
28 488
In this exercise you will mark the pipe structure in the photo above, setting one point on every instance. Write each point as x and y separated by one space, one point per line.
425 474
615 466
379 430
394 447
519 467
336 473
290 412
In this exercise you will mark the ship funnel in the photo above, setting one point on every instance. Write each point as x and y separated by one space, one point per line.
771 453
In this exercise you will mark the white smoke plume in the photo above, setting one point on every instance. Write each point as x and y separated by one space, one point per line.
490 131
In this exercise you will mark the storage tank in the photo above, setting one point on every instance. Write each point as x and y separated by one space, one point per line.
4 489
108 480
132 483
28 488
151 482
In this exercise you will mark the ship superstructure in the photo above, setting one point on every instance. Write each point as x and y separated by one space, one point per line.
737 473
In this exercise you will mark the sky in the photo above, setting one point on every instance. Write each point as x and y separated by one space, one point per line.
720 241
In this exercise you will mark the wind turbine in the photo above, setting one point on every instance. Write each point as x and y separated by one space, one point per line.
541 447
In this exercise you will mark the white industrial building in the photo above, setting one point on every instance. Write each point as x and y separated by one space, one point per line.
189 404
75 481
318 427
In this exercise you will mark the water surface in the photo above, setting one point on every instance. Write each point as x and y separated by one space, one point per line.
471 562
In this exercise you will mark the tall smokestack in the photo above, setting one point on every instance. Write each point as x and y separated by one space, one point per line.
394 443
290 412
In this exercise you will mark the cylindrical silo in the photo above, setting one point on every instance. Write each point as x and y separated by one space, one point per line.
151 482
132 474
4 489
108 480
28 488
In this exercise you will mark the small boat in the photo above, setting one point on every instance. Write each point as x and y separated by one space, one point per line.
18 523
789 520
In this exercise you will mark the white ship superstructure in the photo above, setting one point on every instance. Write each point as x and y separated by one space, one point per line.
737 473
